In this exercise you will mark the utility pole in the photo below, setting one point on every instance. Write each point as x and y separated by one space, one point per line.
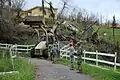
113 25
43 9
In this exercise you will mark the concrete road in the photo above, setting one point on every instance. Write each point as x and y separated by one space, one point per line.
45 70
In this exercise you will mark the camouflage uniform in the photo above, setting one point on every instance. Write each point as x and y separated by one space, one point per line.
72 57
79 57
50 53
54 52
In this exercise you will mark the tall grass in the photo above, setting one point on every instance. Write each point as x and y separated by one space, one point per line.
5 64
26 70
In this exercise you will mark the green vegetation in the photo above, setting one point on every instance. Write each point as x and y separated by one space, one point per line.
100 74
26 70
95 72
5 65
109 33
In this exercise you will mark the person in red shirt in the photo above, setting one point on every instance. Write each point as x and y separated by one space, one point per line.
71 42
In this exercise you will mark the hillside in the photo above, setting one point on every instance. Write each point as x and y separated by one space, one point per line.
109 33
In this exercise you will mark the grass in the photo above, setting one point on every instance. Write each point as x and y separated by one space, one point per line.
109 32
100 74
5 65
25 54
95 72
26 70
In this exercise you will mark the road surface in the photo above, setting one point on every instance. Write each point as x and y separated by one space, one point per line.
45 70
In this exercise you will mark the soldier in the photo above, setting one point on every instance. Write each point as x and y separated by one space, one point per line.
79 57
72 51
50 53
54 52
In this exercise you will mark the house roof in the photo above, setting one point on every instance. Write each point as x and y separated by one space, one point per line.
29 10
33 18
37 7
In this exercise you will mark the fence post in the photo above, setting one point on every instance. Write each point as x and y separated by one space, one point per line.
16 53
115 61
96 58
74 58
6 45
3 53
60 55
27 49
10 50
66 55
84 56
58 45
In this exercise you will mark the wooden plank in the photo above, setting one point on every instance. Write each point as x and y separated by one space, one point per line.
102 54
11 72
106 62
3 47
75 56
118 64
101 61
65 46
91 59
25 45
65 56
18 49
90 52
14 56
64 51
3 44
105 54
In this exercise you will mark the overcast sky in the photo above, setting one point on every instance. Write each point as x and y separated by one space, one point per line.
106 7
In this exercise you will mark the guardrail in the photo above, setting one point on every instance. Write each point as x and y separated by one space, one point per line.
65 53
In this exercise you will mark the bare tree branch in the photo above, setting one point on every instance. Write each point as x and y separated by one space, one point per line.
18 5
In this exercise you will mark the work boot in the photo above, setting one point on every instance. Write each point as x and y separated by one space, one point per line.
71 68
53 63
79 71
